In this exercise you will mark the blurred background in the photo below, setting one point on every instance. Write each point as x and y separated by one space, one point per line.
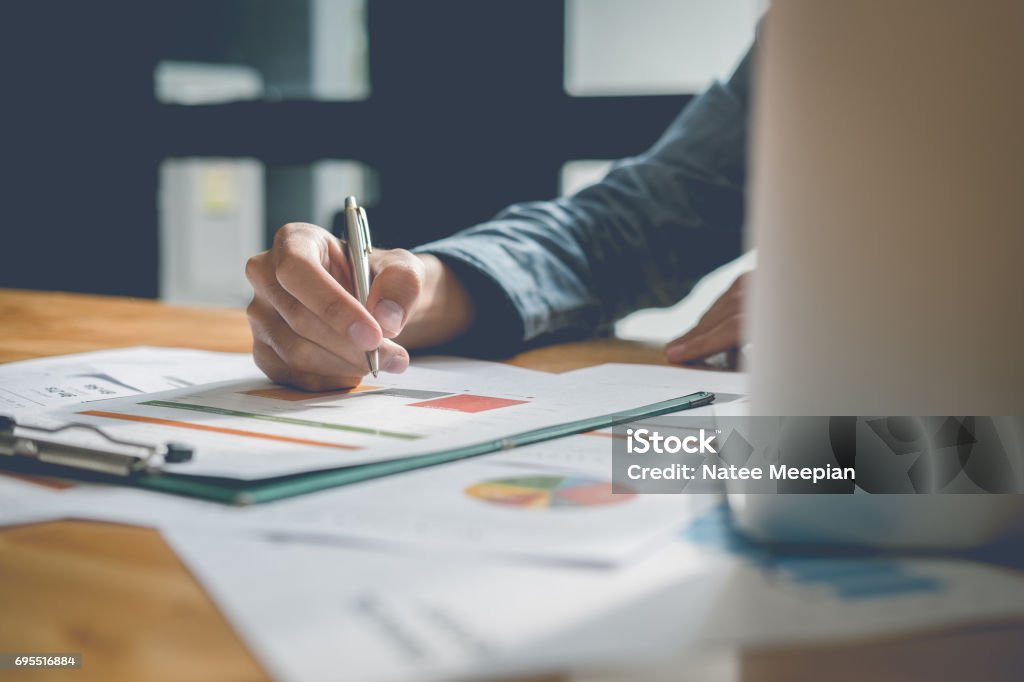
153 146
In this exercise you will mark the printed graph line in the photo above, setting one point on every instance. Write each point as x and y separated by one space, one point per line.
217 429
277 419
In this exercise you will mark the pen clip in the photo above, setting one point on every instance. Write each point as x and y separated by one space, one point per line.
364 230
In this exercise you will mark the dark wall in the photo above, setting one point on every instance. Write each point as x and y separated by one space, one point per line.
476 105
467 113
80 179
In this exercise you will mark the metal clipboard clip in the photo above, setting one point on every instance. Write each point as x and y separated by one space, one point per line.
97 459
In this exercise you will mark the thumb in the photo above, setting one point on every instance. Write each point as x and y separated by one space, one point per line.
397 283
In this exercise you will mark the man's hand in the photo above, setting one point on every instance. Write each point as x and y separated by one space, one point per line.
719 329
310 331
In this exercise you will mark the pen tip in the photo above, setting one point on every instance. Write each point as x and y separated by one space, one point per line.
375 373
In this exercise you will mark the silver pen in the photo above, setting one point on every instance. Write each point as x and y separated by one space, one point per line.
357 233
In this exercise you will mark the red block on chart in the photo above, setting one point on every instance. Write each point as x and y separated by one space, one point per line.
467 403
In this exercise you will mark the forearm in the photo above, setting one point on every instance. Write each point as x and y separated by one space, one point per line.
656 224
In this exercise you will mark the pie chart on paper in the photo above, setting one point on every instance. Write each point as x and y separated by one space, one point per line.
545 492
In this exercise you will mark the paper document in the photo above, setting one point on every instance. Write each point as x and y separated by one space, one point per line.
473 506
661 376
732 389
355 614
410 616
25 501
778 598
496 371
255 429
30 392
45 383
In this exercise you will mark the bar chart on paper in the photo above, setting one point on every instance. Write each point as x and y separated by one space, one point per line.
358 410
249 430
348 427
254 430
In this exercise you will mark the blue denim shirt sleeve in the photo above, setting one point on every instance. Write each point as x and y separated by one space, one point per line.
643 236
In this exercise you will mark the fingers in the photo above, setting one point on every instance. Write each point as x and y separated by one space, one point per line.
397 283
308 329
726 305
278 371
719 329
287 357
722 337
302 260
274 306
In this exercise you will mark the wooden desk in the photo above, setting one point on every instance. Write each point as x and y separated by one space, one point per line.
36 324
121 597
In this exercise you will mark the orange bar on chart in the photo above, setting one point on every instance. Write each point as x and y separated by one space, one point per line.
217 429
293 395
468 403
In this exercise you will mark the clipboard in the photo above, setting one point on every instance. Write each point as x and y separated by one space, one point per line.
31 449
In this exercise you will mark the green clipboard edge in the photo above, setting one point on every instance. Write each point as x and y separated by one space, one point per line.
233 491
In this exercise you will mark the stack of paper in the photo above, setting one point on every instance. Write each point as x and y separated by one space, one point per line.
524 560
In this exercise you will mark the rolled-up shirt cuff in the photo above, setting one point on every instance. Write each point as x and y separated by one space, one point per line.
498 328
